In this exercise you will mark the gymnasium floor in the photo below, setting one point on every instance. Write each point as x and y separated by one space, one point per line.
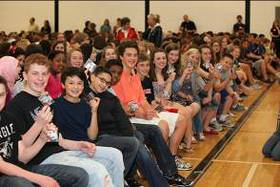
238 160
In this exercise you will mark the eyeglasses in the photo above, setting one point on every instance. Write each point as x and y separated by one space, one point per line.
107 83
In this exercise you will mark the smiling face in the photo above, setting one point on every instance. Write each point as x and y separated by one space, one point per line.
36 79
129 58
76 59
116 72
59 47
143 68
101 82
216 47
110 54
194 58
235 53
160 60
173 56
206 55
73 87
58 62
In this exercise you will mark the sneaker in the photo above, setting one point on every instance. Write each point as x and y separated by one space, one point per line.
256 86
201 137
181 165
177 180
133 183
228 124
216 125
238 107
223 118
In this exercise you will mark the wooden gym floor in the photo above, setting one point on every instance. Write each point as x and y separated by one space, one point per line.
240 161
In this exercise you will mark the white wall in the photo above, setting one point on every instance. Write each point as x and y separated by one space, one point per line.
262 16
208 15
73 14
15 15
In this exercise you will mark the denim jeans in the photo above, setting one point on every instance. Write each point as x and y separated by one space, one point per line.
66 176
153 138
148 166
127 145
272 147
106 163
197 123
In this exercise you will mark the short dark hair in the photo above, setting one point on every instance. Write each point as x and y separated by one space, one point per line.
124 21
99 69
127 44
227 55
73 71
113 62
53 54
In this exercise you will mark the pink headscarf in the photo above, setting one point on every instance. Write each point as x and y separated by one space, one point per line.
8 69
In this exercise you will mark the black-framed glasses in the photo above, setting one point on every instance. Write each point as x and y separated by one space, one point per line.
104 81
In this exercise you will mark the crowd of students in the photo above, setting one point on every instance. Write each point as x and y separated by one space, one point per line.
121 101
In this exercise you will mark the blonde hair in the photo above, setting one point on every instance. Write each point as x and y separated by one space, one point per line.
23 43
185 57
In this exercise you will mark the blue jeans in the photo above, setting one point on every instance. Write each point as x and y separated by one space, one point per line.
153 138
66 176
197 123
272 147
148 166
107 163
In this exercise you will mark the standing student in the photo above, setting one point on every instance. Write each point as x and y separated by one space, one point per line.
15 153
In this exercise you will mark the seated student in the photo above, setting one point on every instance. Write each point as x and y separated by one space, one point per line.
223 84
54 86
77 120
15 153
271 147
114 124
153 137
26 105
212 101
9 69
255 52
130 91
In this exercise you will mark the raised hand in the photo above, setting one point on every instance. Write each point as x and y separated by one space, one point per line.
44 116
94 103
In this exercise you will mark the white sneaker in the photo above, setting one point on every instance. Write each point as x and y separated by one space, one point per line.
224 117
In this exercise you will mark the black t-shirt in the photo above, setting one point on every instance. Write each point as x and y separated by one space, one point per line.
26 107
111 117
9 138
72 119
274 31
147 86
188 25
238 26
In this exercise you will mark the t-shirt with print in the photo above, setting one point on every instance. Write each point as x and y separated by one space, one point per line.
26 107
9 138
72 119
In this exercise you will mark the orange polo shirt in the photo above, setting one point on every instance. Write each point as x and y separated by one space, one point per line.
129 88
